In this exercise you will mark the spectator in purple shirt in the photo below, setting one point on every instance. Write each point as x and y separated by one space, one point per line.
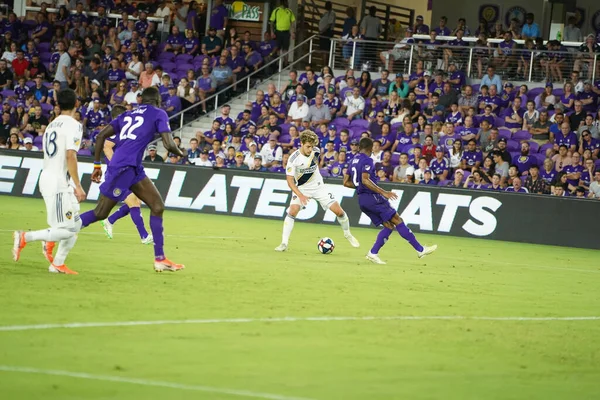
566 137
253 59
573 172
524 161
517 186
449 53
43 30
174 41
141 26
472 158
513 116
191 44
506 53
173 104
206 85
442 29
218 18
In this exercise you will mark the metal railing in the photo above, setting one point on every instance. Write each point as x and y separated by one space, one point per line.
521 64
216 96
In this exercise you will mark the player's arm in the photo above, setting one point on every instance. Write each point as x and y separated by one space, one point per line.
105 133
369 184
170 145
348 182
108 149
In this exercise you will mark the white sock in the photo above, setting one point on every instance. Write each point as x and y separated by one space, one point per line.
345 223
288 226
64 247
49 235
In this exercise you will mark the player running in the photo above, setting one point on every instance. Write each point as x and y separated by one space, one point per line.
62 139
306 182
373 201
135 130
132 206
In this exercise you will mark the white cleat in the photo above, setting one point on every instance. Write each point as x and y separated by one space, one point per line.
374 258
352 240
427 250
281 247
107 228
148 239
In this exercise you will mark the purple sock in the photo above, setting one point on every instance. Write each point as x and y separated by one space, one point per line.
409 236
88 218
120 213
382 237
136 217
156 226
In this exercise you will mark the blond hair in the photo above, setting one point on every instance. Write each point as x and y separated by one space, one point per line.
437 126
309 136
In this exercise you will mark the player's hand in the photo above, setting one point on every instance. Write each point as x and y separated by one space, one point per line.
97 175
303 199
390 195
80 193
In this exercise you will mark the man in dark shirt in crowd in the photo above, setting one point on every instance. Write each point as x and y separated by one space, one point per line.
152 156
310 86
5 126
6 76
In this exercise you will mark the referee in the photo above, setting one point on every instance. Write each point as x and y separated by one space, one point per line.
283 25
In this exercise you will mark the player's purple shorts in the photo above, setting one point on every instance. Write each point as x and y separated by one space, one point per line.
117 182
376 207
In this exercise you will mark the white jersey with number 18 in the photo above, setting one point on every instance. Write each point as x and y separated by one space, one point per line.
61 135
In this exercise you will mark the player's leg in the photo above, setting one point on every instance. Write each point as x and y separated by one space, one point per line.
100 213
108 223
409 236
135 213
342 218
147 192
288 223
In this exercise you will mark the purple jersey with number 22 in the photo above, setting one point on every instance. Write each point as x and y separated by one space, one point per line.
374 205
134 130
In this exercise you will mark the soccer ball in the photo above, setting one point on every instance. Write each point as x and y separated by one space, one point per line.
326 245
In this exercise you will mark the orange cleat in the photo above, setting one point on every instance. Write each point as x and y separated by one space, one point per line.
19 244
47 248
167 265
61 269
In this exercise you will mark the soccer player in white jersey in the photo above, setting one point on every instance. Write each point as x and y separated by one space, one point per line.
305 181
62 140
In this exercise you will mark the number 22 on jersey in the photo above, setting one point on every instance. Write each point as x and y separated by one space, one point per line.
130 126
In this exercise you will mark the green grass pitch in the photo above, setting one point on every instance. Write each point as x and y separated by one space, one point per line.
232 272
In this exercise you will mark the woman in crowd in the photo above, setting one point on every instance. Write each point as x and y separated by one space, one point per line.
530 116
568 97
118 95
364 83
547 99
186 92
278 108
134 68
392 107
455 154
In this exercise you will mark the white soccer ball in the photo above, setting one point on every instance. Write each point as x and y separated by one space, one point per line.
326 245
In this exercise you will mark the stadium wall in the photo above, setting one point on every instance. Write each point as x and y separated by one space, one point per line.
445 211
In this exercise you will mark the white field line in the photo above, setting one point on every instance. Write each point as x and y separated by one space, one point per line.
135 234
527 265
145 382
76 325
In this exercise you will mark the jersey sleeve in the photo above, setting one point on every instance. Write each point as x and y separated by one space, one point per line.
366 165
116 124
74 134
162 122
290 170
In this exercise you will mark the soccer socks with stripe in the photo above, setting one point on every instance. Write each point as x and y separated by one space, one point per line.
288 226
120 213
409 236
156 226
49 235
88 218
64 247
136 217
382 237
345 223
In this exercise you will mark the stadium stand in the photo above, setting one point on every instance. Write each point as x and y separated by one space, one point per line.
483 110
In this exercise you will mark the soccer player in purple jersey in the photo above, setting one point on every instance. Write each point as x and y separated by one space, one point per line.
373 201
136 129
132 206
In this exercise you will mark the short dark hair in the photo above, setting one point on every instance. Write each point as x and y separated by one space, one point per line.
67 99
117 110
534 166
151 95
365 143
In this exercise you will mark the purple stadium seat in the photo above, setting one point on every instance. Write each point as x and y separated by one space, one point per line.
533 147
46 64
533 93
199 58
47 84
166 56
46 108
183 59
285 128
12 103
558 92
28 135
394 127
339 122
476 88
521 135
466 175
7 93
513 145
445 182
499 122
504 133
324 172
355 132
43 47
395 159
361 123
169 66
597 164
514 154
183 67
37 141
45 57
84 152
30 84
284 138
543 148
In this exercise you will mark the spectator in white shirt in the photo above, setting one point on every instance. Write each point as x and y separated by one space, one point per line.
298 111
203 160
28 145
249 156
132 96
377 154
595 186
353 105
271 152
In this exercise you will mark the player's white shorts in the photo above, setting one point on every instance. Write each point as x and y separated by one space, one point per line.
62 209
318 192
